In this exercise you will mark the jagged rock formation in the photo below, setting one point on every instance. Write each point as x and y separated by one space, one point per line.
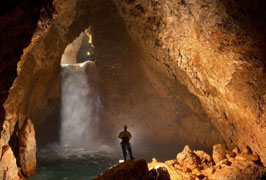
199 165
192 165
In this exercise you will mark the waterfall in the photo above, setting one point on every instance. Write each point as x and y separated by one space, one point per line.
80 107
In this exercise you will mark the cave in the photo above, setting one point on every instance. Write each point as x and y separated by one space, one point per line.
181 75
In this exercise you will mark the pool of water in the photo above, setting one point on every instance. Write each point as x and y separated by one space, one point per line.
64 163
78 164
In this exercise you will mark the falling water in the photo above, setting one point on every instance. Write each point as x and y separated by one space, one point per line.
80 106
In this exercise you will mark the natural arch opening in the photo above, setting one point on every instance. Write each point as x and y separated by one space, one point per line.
80 50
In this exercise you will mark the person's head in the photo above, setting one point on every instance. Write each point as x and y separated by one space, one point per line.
125 127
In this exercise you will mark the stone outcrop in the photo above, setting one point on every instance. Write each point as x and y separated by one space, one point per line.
188 158
8 166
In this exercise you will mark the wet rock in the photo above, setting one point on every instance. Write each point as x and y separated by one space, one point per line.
8 166
27 149
188 158
219 152
130 170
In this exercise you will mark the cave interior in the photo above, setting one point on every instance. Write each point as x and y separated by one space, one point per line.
178 73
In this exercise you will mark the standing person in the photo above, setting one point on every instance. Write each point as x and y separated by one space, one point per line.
126 136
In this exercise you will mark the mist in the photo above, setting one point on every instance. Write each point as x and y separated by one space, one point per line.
80 106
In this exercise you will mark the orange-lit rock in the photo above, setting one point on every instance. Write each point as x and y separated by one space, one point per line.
8 166
27 149
225 169
219 152
188 158
217 50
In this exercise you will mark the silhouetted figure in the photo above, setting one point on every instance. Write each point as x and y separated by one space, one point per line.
126 136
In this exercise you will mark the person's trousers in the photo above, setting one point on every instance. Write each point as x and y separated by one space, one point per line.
125 147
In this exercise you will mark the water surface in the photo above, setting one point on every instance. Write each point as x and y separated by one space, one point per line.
79 164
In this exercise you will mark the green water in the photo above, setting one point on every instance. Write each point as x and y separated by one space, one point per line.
60 164
57 163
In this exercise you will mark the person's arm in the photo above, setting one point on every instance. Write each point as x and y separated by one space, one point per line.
120 135
129 135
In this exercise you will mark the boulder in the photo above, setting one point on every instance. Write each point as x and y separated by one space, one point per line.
8 166
205 159
129 170
188 158
27 149
219 152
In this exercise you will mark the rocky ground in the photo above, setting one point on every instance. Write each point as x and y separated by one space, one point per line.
194 165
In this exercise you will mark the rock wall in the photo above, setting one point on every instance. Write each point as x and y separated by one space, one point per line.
18 22
217 50
142 93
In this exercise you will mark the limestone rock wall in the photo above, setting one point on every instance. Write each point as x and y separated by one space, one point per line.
217 50
27 149
141 92
18 22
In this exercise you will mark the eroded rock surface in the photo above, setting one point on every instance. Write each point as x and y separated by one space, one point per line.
8 166
231 167
27 149
217 50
